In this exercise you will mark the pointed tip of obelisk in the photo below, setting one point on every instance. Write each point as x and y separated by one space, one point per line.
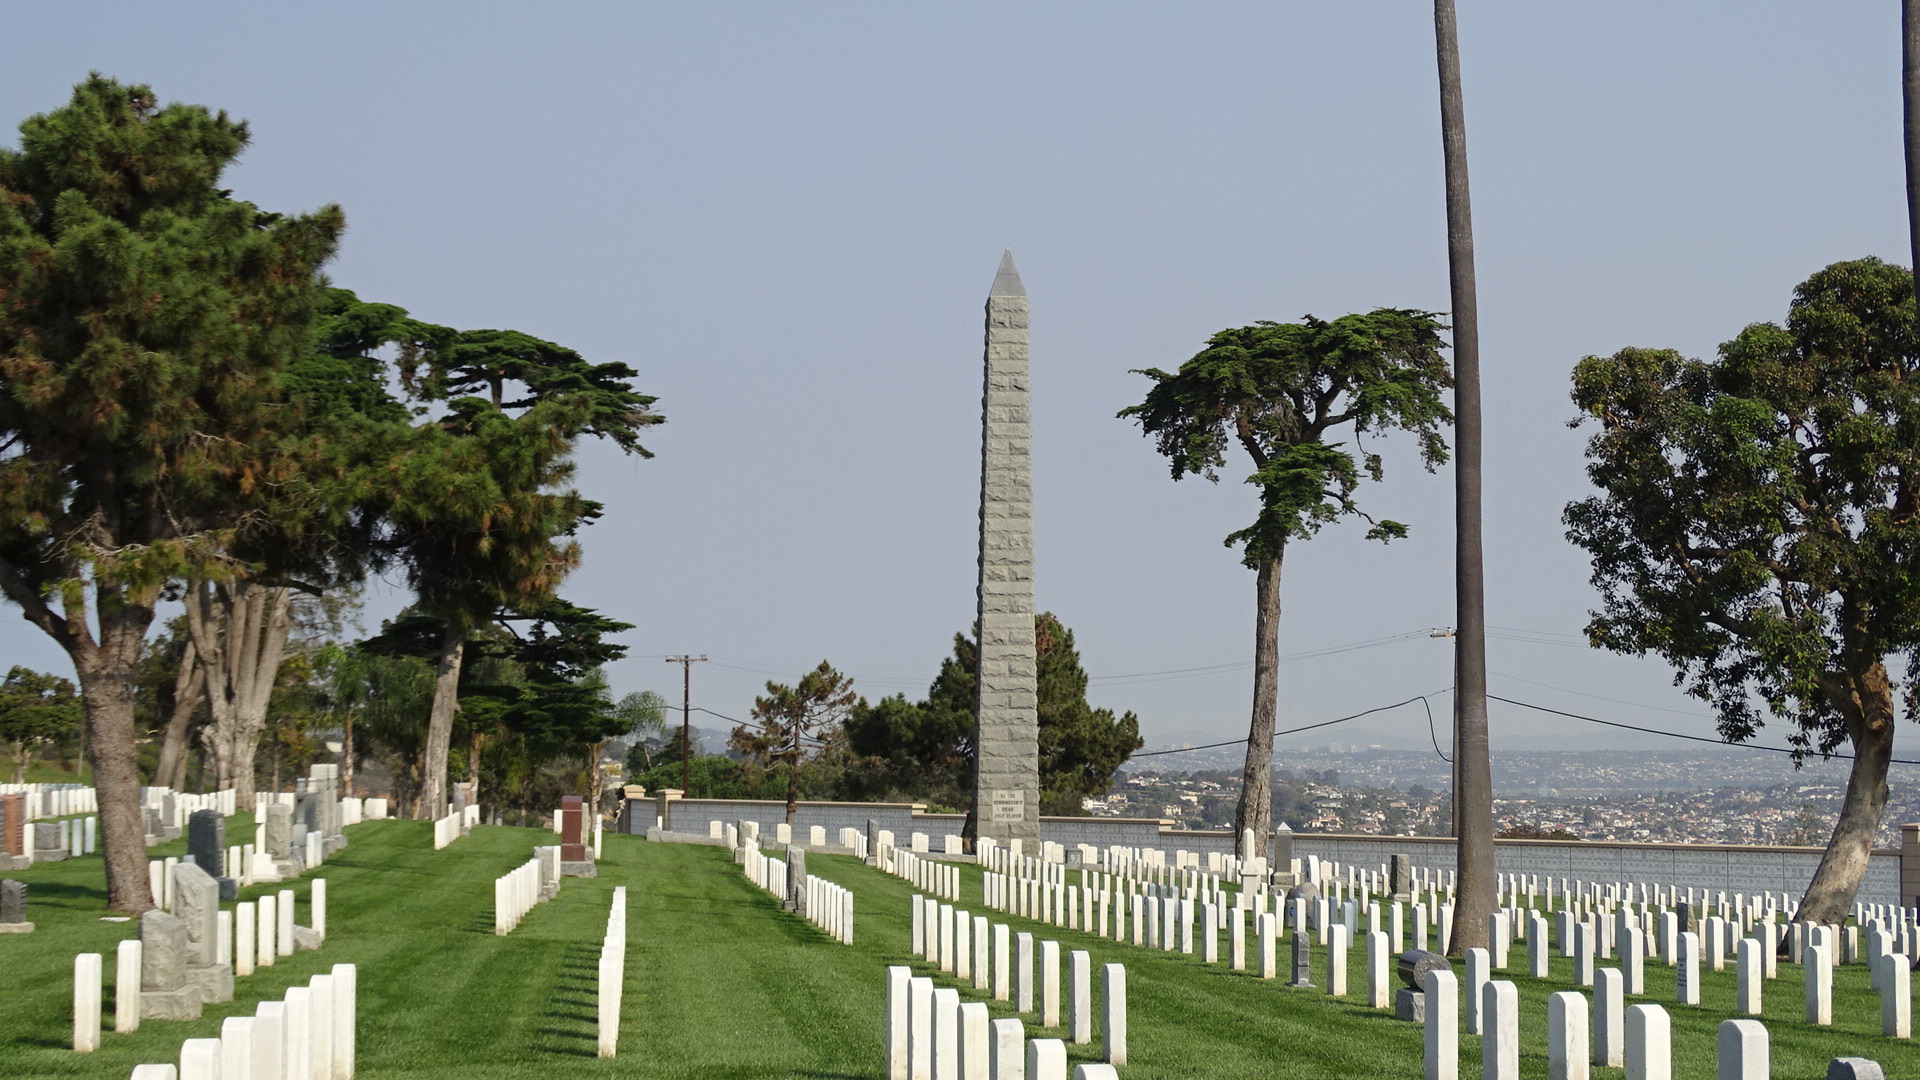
1007 281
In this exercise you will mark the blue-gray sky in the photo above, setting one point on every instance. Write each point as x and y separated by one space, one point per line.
786 217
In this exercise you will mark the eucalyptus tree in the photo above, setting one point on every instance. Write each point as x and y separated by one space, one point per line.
1756 527
1283 392
149 319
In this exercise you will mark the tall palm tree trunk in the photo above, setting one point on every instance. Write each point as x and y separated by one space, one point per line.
1472 771
1910 102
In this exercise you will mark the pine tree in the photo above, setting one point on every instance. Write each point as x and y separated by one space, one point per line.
148 316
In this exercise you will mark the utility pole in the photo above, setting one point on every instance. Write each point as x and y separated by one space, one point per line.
686 719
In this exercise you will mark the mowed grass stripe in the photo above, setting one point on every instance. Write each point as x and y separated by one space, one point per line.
722 983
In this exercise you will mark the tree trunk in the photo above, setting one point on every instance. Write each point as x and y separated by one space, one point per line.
1472 771
346 756
105 672
432 803
240 631
1867 703
188 684
1256 782
1910 111
793 775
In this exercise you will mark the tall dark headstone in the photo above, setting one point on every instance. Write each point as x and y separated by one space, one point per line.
207 841
1006 791
1400 877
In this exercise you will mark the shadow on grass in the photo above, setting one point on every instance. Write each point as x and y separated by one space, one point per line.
55 892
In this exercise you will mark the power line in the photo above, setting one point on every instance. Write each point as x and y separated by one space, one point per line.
1294 731
1679 735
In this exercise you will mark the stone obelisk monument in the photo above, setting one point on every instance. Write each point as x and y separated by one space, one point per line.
1006 787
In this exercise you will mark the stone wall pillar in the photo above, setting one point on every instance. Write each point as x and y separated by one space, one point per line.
1006 790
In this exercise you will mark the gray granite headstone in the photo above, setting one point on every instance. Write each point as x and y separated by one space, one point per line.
1400 876
1306 890
797 878
1410 1005
1685 911
163 950
48 844
280 831
873 838
1280 849
549 856
1854 1068
196 901
13 901
1302 961
165 992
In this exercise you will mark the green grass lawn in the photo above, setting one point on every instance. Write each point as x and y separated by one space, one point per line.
721 983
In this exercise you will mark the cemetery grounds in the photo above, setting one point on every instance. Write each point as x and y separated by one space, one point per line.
723 983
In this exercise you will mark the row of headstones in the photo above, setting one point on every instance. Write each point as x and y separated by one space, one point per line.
612 975
1503 1059
1105 905
993 959
310 1034
288 840
933 1035
67 838
165 811
1640 1038
828 906
517 891
54 800
940 879
763 870
353 810
454 826
783 835
183 961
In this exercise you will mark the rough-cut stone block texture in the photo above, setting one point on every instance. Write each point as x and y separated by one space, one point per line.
181 1004
196 902
13 901
280 832
213 982
1007 784
163 951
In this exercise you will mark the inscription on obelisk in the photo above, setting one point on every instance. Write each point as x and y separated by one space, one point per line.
1006 792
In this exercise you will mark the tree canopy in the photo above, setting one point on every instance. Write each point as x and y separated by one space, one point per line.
36 711
1756 527
1281 391
926 748
148 320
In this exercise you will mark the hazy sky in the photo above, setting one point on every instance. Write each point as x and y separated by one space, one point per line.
787 216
